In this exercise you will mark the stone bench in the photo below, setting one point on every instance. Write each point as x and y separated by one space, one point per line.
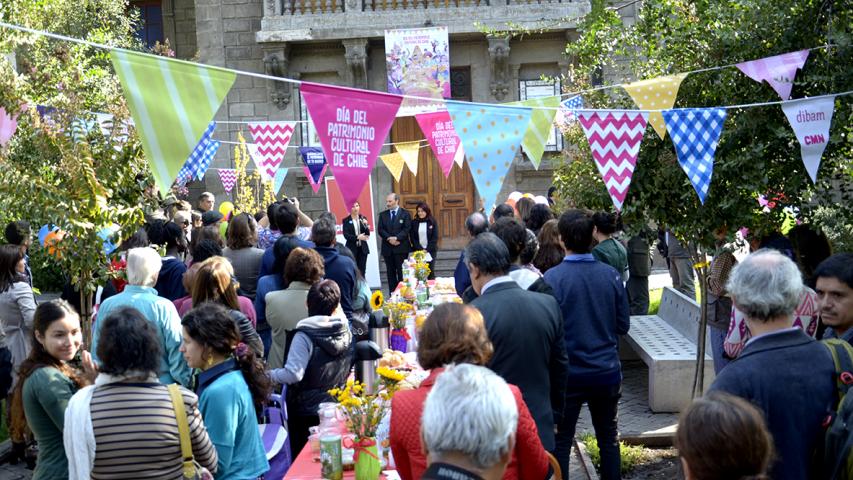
666 342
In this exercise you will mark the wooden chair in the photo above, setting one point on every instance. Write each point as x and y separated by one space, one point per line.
558 474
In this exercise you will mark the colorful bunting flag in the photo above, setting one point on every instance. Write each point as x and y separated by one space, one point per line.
352 125
228 176
258 160
8 125
695 132
656 94
810 119
272 139
394 163
280 175
198 157
779 71
172 103
614 138
442 138
315 165
207 158
459 157
568 110
410 151
540 127
491 135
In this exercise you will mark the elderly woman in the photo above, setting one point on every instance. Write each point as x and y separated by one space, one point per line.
242 253
127 394
454 334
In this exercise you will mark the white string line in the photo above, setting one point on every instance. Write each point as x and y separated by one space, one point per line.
300 146
414 97
259 121
689 72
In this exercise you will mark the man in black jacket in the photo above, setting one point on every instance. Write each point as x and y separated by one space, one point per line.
394 226
338 267
526 330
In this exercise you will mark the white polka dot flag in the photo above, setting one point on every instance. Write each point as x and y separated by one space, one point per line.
491 136
228 176
614 138
656 94
695 132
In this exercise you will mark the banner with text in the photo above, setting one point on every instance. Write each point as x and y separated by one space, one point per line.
810 119
315 165
352 125
442 138
418 63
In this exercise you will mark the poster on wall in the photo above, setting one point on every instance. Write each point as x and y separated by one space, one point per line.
335 204
418 63
529 89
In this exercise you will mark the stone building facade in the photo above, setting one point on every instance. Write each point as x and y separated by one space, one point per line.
341 42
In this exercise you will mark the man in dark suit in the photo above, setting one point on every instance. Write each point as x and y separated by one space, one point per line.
526 331
394 226
788 375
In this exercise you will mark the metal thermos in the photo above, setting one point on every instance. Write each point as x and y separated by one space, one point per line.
380 329
366 355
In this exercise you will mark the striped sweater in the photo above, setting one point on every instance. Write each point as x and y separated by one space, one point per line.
136 434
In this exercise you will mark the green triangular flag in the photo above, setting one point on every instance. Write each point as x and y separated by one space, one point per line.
539 128
172 102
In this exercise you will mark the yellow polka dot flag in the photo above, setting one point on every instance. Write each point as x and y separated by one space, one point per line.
490 135
394 163
540 127
656 94
410 151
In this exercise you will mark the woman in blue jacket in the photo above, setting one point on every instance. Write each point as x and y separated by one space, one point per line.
231 388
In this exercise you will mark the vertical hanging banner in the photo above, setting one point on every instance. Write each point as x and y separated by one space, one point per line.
442 138
418 63
8 125
490 135
272 139
614 138
315 165
228 176
695 132
810 119
352 125
778 71
280 175
656 94
172 103
197 158
394 163
410 152
540 127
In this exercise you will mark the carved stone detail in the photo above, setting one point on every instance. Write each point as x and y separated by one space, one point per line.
499 82
356 57
277 63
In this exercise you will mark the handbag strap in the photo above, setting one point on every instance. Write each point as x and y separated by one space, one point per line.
183 429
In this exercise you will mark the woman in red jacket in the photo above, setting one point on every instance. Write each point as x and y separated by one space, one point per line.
455 333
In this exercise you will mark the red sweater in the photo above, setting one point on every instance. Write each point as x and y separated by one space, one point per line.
529 460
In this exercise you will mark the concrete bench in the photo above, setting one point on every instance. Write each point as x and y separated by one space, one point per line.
666 342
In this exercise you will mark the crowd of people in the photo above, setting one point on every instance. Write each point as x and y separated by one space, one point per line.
277 301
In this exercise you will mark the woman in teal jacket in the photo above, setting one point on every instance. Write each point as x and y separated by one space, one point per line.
231 388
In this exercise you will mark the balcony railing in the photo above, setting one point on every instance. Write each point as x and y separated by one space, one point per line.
302 7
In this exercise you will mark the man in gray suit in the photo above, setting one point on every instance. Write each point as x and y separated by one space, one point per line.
680 266
639 269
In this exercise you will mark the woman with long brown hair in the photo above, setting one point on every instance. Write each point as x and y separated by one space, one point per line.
242 236
551 251
46 382
214 282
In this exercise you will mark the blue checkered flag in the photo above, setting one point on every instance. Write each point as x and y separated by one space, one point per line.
570 105
209 153
197 157
695 132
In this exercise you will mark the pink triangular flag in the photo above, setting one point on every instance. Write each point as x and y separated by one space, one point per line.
352 126
315 185
8 125
228 176
272 139
439 132
779 71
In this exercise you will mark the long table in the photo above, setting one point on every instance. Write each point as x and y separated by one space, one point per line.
304 467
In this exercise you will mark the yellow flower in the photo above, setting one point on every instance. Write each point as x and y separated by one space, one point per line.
377 300
390 374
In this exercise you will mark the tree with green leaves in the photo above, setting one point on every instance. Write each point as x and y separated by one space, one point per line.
758 153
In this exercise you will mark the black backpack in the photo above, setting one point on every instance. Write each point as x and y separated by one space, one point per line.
838 442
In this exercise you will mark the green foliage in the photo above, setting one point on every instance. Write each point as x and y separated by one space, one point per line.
758 153
631 455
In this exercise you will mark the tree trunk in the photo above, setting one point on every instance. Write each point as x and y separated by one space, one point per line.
85 309
699 374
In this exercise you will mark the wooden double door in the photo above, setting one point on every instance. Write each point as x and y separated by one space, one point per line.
451 199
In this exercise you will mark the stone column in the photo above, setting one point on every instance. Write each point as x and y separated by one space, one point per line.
499 67
277 63
356 57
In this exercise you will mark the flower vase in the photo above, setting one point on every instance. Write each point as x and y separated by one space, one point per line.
399 339
367 466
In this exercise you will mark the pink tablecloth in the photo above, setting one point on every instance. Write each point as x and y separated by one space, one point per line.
305 468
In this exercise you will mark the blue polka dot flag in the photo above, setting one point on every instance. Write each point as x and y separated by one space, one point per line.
695 132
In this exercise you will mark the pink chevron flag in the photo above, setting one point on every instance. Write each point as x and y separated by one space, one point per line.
272 139
779 71
614 138
228 176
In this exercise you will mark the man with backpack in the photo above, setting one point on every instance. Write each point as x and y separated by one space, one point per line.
782 371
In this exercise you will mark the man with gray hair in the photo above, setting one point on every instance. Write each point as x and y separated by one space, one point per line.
143 268
468 425
783 371
475 224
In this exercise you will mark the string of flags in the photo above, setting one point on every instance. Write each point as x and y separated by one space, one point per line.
174 106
